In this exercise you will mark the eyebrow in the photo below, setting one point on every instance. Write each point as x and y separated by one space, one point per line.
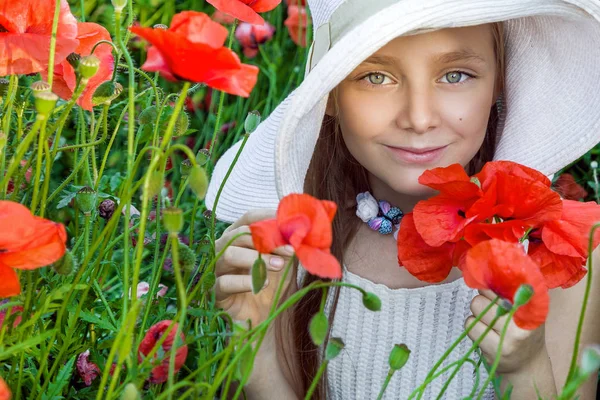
465 54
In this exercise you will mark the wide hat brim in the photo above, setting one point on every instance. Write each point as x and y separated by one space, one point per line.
551 98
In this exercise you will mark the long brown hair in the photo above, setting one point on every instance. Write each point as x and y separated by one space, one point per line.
334 174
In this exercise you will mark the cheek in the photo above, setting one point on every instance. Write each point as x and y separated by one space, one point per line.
362 116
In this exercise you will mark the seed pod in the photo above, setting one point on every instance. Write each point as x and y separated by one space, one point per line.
66 265
44 103
148 116
371 301
398 356
73 59
88 66
252 121
39 86
86 200
119 5
185 167
187 258
318 328
106 92
334 347
130 392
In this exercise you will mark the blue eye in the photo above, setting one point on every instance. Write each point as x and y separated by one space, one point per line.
376 78
455 77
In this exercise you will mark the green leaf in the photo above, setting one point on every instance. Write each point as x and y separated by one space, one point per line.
64 376
65 200
93 319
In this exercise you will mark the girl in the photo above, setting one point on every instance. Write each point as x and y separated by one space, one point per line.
394 88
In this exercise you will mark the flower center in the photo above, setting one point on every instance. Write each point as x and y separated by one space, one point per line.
3 29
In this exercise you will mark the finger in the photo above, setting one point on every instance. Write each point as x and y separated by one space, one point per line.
228 285
236 258
241 241
478 305
488 293
252 216
489 344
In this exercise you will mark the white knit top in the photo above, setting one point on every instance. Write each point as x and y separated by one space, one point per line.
426 319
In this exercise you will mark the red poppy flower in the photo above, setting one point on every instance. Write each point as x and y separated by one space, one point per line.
304 223
503 267
87 370
245 10
425 262
16 310
65 80
26 242
160 373
569 189
25 31
251 36
560 247
4 390
297 23
295 2
192 49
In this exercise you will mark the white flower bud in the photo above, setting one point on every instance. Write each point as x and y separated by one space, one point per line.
367 207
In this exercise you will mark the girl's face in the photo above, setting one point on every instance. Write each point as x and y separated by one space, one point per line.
420 102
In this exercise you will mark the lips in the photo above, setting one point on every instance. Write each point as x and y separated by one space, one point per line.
414 155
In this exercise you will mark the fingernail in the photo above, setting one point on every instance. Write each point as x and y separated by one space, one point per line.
288 249
266 284
276 262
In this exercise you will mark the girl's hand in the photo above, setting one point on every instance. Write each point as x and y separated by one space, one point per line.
520 348
233 287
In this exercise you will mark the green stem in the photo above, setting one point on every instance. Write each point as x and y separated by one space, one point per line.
316 380
386 383
53 42
175 116
498 352
21 150
588 287
38 166
46 179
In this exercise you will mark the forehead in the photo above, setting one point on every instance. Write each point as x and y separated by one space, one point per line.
446 45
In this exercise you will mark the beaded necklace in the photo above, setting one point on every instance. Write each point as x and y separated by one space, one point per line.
380 215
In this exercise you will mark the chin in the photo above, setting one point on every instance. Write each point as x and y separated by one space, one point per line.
410 186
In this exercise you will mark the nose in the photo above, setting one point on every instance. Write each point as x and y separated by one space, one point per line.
419 111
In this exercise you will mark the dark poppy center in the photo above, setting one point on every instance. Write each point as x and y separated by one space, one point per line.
3 29
461 213
535 236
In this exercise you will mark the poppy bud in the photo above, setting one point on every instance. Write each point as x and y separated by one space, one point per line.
88 66
119 5
202 157
252 121
398 356
4 83
504 307
86 200
334 347
318 328
148 116
40 86
523 295
371 301
208 281
187 258
198 181
106 209
594 164
259 275
207 214
590 360
73 59
155 183
106 92
44 103
66 265
172 219
182 124
185 167
130 392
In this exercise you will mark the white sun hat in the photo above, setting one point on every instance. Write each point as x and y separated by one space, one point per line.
551 97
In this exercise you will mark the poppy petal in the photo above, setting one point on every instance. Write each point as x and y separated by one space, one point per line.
237 9
570 234
9 282
198 27
427 263
452 181
490 169
45 247
320 233
239 83
156 63
503 267
440 219
265 5
266 236
319 262
294 229
558 270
